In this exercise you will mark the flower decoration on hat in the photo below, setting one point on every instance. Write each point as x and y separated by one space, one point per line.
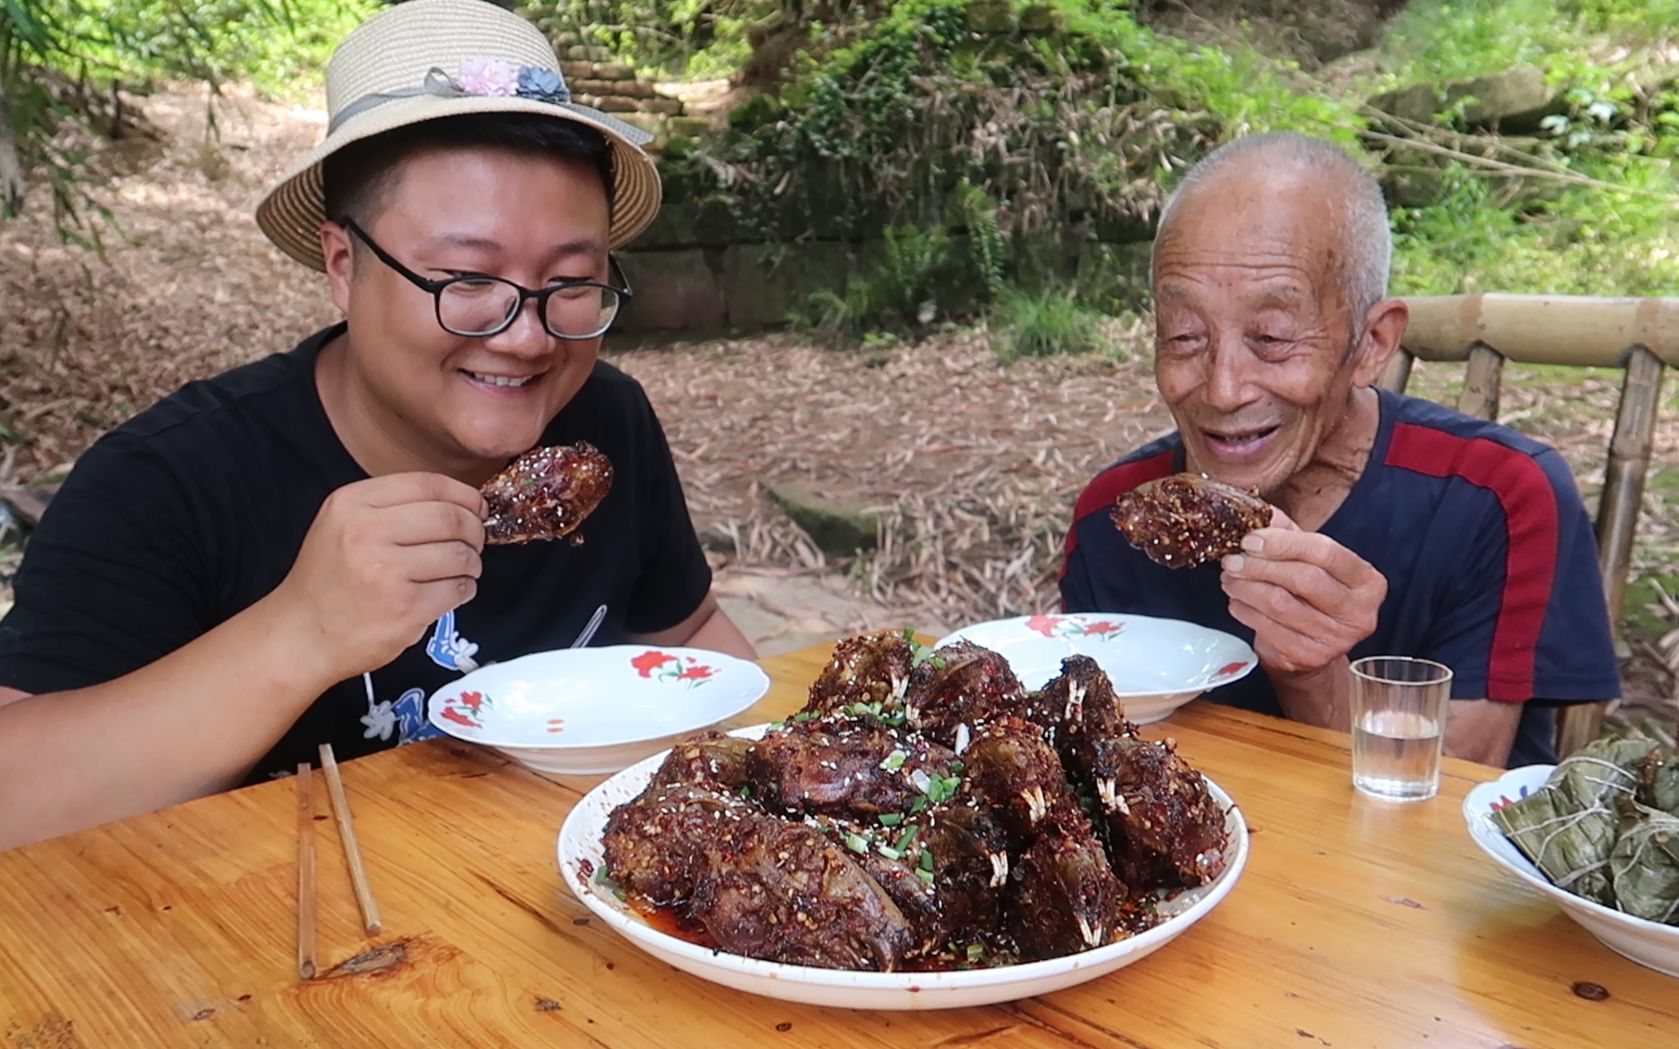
494 78
543 84
487 76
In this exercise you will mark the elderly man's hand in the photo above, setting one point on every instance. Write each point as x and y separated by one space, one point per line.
1307 598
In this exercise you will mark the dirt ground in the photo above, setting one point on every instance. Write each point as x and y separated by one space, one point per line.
971 465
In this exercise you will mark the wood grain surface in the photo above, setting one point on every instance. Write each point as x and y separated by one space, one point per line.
1356 923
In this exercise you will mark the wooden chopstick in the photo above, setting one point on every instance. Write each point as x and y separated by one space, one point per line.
352 851
305 872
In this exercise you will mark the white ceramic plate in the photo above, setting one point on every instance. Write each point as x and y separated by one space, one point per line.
1156 665
1645 942
580 855
587 711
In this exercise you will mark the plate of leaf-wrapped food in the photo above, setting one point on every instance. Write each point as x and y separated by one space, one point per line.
925 833
1599 834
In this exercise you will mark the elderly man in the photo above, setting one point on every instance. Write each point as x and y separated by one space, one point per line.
293 553
1401 527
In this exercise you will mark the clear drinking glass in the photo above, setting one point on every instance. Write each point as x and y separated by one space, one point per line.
1399 708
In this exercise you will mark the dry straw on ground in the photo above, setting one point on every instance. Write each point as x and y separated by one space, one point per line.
972 466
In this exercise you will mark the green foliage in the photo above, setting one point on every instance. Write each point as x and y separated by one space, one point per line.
1460 39
1044 324
280 46
913 118
59 59
1548 231
985 237
897 287
1580 240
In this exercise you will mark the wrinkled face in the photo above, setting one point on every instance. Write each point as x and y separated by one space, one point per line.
453 400
1253 333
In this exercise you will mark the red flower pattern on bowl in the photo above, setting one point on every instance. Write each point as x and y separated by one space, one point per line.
662 666
650 661
1045 625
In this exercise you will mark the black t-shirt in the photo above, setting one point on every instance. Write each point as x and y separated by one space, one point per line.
195 509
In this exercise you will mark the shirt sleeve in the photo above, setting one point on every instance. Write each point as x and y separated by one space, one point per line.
675 576
1526 618
109 581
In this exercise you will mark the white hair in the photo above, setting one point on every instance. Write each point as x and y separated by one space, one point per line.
1361 226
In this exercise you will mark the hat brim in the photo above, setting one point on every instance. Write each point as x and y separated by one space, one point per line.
292 213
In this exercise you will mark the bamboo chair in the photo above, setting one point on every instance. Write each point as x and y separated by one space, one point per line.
1639 336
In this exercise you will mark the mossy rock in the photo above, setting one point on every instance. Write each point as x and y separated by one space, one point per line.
1040 18
836 529
990 16
763 283
1513 101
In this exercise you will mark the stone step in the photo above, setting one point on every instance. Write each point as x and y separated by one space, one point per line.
606 88
587 53
669 107
596 71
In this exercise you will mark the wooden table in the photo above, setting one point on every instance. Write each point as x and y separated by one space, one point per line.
1356 923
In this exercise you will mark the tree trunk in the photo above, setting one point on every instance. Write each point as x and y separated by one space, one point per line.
11 168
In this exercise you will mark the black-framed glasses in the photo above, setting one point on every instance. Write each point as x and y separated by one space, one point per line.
477 307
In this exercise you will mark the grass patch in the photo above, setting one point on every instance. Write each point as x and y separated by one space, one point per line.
1045 324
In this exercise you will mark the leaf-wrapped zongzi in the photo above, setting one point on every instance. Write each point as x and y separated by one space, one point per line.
1644 865
1658 783
1569 826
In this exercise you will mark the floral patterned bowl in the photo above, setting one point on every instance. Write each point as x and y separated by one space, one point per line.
588 711
1156 665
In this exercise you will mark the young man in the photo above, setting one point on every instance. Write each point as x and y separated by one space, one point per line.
293 552
1403 528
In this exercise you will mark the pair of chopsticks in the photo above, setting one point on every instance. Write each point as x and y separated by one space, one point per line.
306 859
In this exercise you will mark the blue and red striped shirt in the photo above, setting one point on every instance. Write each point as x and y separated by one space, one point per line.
1480 532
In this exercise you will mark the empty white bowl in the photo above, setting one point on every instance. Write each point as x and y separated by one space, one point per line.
1156 665
587 711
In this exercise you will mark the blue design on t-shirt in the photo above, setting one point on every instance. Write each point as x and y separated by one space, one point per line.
448 649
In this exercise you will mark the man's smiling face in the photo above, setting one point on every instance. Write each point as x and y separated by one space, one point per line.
458 401
1254 334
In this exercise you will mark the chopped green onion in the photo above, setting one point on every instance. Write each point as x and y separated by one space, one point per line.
603 875
891 819
907 838
894 761
959 766
924 875
918 804
942 788
623 897
804 715
889 852
976 951
856 843
927 860
777 726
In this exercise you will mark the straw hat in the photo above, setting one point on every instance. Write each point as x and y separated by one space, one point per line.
440 58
